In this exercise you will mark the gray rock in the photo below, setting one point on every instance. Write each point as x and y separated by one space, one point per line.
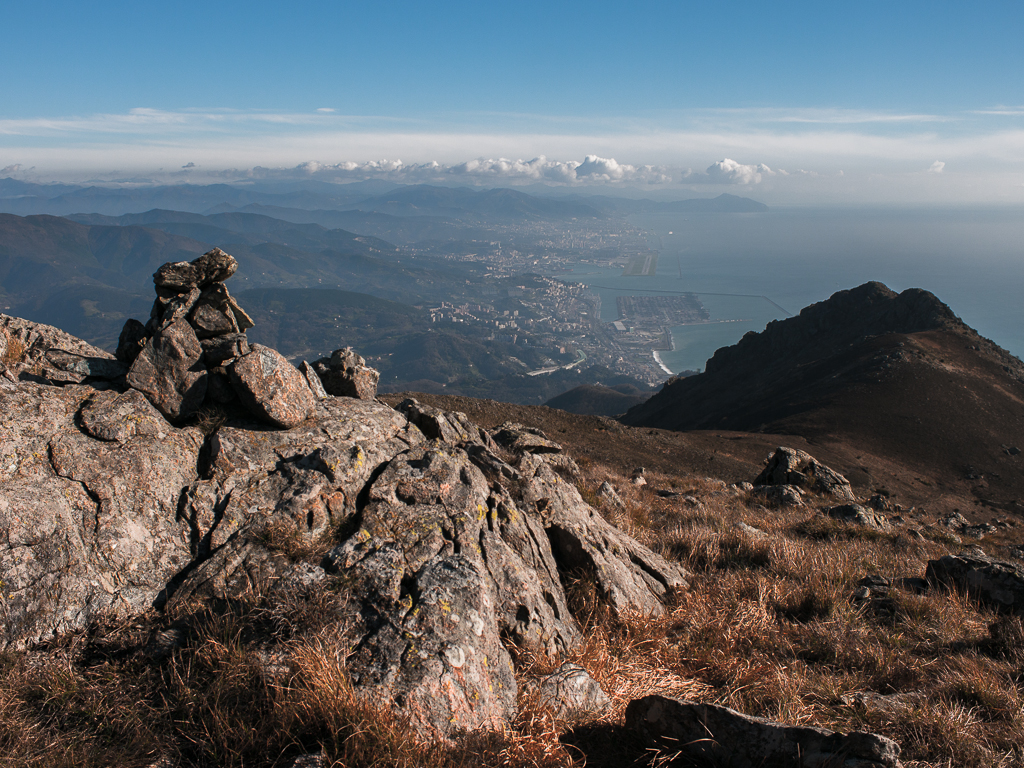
222 349
345 374
169 371
714 735
212 314
570 692
86 367
858 515
751 531
271 387
89 525
117 417
628 575
610 495
787 466
168 309
891 704
447 426
520 439
242 319
778 495
33 342
310 761
212 267
995 582
444 550
315 385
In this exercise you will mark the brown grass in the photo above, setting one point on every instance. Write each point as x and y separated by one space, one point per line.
769 626
15 352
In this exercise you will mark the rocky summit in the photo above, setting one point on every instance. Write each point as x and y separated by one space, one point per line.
211 556
121 494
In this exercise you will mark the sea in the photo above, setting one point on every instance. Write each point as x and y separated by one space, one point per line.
750 269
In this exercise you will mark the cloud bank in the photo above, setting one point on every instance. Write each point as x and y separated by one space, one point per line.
815 156
591 170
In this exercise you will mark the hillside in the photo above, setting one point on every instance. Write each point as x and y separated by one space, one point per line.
599 400
458 581
868 371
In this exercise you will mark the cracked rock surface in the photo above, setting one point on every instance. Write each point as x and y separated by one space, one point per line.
442 547
707 734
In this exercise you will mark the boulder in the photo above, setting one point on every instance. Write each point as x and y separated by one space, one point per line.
223 349
778 495
27 347
997 583
628 576
116 417
520 439
855 514
271 387
315 385
607 493
345 374
169 371
181 277
570 693
706 734
788 466
434 548
85 367
447 426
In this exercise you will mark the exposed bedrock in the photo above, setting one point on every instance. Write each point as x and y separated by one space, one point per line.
447 547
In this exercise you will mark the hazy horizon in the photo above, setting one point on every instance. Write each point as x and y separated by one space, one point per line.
795 104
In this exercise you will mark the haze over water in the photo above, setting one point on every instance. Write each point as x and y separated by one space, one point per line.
972 259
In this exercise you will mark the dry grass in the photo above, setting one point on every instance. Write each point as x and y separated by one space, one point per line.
15 352
768 627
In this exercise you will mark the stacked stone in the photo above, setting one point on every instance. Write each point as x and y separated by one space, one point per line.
193 351
344 374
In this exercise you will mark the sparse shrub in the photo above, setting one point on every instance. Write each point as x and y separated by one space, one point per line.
822 528
588 494
814 601
1006 637
209 419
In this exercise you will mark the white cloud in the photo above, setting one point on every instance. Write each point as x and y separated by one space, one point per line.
878 152
11 168
591 170
326 110
937 167
730 172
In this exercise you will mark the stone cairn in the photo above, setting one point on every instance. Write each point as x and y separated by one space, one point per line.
193 353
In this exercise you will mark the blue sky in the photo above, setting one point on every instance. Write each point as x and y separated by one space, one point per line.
895 101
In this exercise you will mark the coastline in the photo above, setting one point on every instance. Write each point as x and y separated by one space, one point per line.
658 360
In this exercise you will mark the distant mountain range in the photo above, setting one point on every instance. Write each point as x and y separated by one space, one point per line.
457 205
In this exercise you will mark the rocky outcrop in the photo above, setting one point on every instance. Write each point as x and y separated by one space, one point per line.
193 353
440 545
38 352
345 374
858 515
997 583
788 466
88 506
706 734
